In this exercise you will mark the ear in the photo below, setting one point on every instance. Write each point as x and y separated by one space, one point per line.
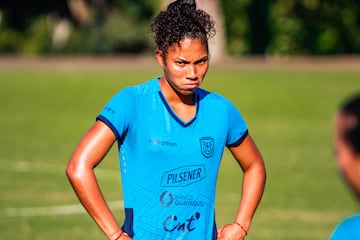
159 57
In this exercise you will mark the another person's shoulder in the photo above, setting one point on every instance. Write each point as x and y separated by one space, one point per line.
349 228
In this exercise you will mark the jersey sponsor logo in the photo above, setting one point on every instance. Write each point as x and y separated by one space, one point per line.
173 223
183 176
162 143
207 146
167 199
187 200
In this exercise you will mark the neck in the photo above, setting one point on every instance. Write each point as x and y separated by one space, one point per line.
174 97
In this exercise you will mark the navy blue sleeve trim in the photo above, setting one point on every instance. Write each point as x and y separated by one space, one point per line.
128 226
238 142
214 234
109 124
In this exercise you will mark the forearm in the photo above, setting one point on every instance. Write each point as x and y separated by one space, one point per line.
253 187
88 191
252 191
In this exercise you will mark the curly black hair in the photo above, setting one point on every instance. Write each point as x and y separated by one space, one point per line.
181 19
351 107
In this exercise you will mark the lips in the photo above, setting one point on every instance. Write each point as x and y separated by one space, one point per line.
191 85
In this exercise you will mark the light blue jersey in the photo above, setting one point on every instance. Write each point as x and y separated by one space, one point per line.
169 167
348 229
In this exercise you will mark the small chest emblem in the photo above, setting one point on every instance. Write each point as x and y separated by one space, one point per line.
207 146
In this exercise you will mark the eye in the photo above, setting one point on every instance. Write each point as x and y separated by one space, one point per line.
202 61
180 63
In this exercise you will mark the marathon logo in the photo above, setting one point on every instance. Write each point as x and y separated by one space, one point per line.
183 176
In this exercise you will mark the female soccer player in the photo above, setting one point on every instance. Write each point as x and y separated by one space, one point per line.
171 136
347 149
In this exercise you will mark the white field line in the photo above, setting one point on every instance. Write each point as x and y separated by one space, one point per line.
23 166
53 210
36 167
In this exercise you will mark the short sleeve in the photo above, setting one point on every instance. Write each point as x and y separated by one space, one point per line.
119 111
237 127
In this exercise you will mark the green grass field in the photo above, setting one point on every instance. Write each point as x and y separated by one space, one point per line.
44 112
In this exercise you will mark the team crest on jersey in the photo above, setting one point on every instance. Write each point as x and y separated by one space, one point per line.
207 146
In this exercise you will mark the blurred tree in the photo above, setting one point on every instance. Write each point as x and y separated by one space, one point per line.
20 14
110 26
337 28
138 9
237 24
259 35
26 26
314 27
81 12
273 27
247 24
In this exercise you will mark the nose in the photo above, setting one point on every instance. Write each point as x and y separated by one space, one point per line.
192 72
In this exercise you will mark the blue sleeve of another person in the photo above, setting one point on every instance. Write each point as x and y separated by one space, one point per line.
348 229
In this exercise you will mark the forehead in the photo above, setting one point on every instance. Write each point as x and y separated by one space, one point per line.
189 48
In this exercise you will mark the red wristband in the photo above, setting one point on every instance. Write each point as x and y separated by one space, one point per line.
118 237
246 233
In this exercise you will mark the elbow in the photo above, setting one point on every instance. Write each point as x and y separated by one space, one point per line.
70 172
259 171
73 172
263 174
262 171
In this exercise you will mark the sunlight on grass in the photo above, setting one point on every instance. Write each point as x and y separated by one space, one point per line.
289 113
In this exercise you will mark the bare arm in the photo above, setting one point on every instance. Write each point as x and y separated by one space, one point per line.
252 164
80 171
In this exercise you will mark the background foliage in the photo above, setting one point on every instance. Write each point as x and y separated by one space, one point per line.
271 27
279 27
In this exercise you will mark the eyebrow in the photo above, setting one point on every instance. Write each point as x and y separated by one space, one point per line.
205 58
